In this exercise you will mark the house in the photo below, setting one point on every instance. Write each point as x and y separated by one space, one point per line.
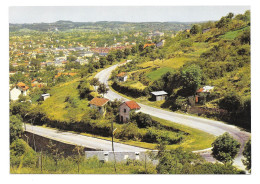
122 77
125 108
148 45
45 96
160 44
99 104
202 93
20 88
82 61
159 95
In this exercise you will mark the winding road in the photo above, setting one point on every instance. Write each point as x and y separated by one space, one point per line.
210 126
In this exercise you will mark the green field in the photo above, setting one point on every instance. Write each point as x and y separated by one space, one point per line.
156 74
233 34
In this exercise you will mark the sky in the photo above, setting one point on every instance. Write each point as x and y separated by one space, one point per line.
48 14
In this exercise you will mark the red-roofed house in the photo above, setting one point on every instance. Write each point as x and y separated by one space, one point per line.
19 89
99 104
122 77
125 109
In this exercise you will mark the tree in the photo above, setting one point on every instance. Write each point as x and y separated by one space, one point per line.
16 127
247 155
244 38
110 58
230 15
142 120
55 153
127 52
133 50
141 47
225 148
119 54
195 29
78 156
102 62
191 78
231 102
94 82
102 89
84 89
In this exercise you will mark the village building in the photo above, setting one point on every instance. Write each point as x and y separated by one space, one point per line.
159 95
99 104
82 61
160 44
122 77
19 89
126 108
202 93
45 96
148 45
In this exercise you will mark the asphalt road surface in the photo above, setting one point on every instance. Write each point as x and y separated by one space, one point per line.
81 140
210 126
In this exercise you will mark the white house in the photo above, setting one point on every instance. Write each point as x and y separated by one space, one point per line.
45 96
122 77
125 109
19 89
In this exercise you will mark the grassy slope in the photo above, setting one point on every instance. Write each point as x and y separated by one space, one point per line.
230 35
55 106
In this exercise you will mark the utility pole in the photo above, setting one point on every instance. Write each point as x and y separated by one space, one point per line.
41 160
113 145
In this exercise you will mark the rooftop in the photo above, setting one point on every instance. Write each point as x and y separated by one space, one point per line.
132 105
122 74
156 93
98 101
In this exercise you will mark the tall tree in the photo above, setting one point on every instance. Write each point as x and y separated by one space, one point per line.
102 89
195 29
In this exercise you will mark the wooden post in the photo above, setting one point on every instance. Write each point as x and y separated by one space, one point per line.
113 145
41 160
145 164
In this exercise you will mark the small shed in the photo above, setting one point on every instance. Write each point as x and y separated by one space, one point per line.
202 93
159 95
45 96
122 77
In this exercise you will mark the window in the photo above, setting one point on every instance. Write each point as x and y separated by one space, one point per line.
124 110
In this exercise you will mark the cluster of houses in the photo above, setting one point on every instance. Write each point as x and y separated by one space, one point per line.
125 108
22 89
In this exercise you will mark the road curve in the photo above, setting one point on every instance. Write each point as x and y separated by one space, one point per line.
81 140
210 126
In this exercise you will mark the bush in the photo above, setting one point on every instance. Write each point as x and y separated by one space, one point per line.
225 148
22 154
16 127
127 90
128 131
142 120
247 155
155 136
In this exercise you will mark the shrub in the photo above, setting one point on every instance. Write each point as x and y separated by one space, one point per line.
142 120
22 154
129 90
247 155
225 148
16 128
155 136
128 131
